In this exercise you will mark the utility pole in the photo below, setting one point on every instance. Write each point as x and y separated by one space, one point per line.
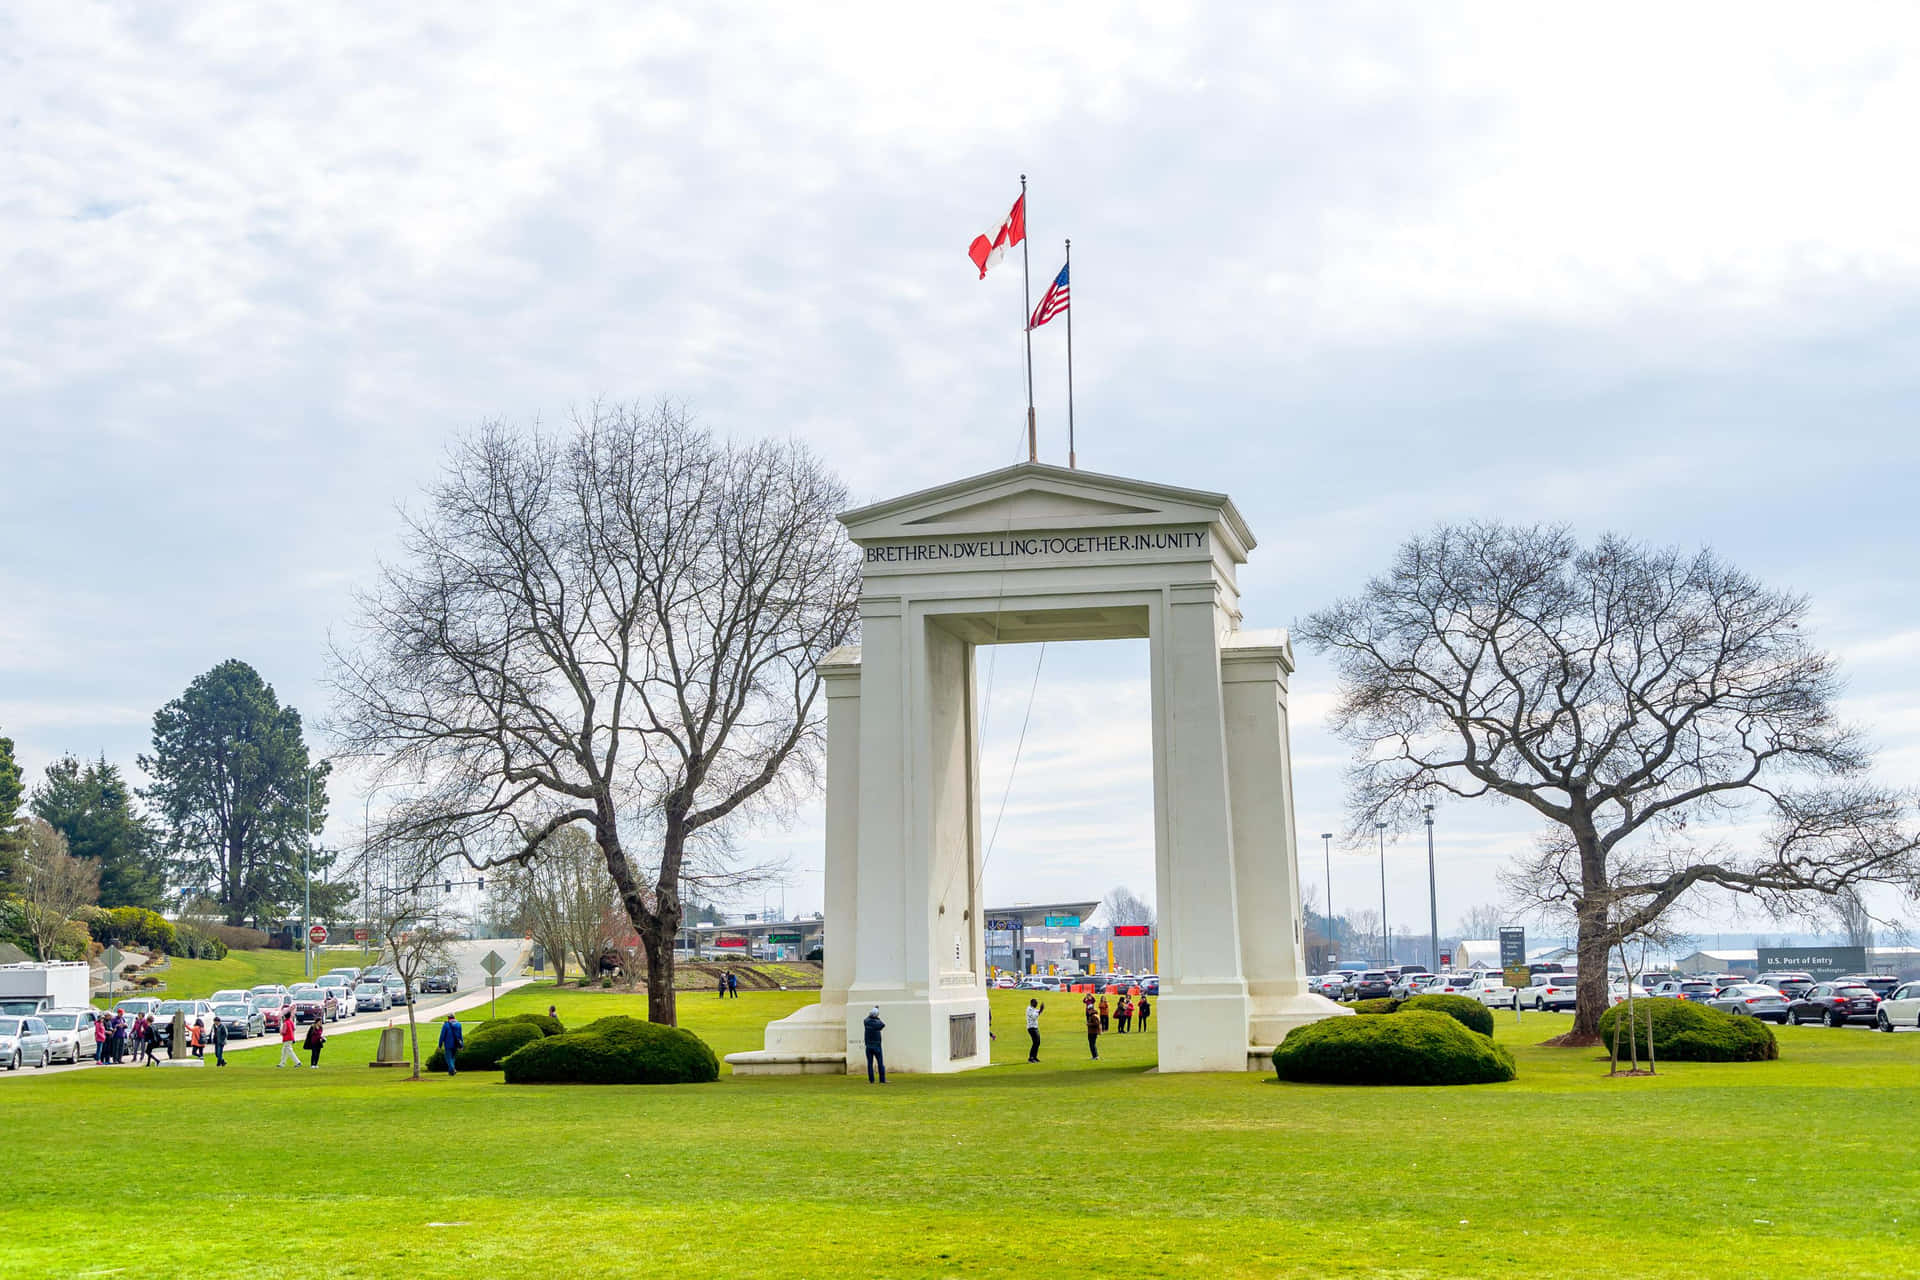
1433 894
306 912
1386 934
1326 848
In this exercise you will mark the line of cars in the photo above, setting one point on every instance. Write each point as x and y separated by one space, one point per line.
1148 983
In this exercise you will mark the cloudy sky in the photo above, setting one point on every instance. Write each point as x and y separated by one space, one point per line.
1366 269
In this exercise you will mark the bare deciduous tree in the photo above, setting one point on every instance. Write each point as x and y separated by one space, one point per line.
560 899
1620 692
416 931
1483 923
1123 906
617 627
53 885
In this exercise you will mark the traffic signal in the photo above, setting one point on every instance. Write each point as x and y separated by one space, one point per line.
448 887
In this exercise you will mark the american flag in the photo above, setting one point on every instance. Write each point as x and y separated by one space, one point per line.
1053 304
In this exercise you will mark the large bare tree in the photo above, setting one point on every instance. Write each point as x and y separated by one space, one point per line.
1636 699
53 885
616 625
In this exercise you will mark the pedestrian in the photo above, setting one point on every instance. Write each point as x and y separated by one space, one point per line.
219 1043
1034 1010
1103 1011
1093 1032
733 984
1145 1010
316 1041
117 1038
153 1041
451 1039
874 1027
197 1038
1122 1012
287 1052
99 1040
720 985
552 1013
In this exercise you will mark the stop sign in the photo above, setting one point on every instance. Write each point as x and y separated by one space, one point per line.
317 934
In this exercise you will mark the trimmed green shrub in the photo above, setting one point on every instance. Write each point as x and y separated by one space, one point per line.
1685 1031
1417 1047
1379 1005
487 1044
1470 1014
195 943
549 1026
616 1050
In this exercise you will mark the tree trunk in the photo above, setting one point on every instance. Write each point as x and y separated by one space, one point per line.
657 940
1590 998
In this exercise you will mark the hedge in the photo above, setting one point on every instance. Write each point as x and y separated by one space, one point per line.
487 1044
1380 1004
616 1050
1470 1013
1686 1031
548 1024
1416 1047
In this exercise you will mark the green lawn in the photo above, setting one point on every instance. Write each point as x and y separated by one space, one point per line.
197 979
1794 1168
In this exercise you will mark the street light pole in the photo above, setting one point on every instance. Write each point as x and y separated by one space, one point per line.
1326 847
306 912
1433 894
1386 934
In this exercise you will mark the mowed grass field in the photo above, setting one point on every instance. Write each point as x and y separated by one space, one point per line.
1801 1167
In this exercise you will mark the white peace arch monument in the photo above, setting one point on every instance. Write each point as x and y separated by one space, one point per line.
1037 552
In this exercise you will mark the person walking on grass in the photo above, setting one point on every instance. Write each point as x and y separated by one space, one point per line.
451 1039
316 1041
153 1041
873 1027
733 984
219 1043
287 1052
1034 1010
1093 1032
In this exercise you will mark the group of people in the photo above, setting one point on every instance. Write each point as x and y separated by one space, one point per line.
1120 1017
115 1036
729 985
314 1041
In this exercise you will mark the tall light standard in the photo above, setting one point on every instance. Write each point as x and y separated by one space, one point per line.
306 912
1433 894
1386 934
1326 847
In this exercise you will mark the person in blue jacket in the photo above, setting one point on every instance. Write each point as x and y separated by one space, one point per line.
451 1038
874 1027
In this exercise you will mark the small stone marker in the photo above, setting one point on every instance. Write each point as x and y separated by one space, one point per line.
177 1047
393 1048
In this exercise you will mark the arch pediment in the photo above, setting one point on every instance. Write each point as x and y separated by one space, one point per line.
1036 498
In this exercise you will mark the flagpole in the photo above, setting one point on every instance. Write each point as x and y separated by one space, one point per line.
1072 461
1026 293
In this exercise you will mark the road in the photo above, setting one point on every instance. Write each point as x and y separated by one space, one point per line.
472 993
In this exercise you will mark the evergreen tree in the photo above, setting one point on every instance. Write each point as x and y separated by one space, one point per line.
92 806
12 837
230 771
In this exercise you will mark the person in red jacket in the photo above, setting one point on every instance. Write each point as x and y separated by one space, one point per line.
287 1052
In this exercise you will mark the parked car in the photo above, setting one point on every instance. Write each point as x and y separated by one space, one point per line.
1494 993
1451 984
371 997
1149 984
24 1043
1412 983
1721 981
312 1004
378 973
1757 999
1881 984
1836 1004
244 1019
446 981
270 998
227 996
1901 1008
1550 991
188 1009
1374 984
1790 984
1032 982
397 990
70 1032
348 972
1685 989
135 1006
1331 985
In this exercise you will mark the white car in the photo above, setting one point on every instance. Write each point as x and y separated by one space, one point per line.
229 996
1551 991
1901 1008
1494 993
70 1033
24 1043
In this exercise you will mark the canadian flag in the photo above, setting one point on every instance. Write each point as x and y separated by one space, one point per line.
987 250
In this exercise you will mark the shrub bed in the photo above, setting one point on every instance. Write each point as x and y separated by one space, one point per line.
1684 1031
616 1050
1470 1014
1417 1047
1380 1005
487 1044
549 1025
